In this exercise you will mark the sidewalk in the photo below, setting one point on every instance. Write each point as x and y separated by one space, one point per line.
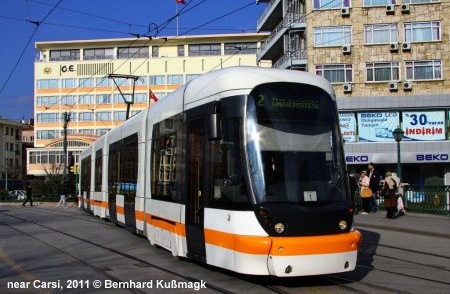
426 224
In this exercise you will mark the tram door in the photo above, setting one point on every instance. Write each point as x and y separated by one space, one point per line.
195 188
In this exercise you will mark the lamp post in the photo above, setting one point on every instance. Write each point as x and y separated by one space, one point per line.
5 162
398 136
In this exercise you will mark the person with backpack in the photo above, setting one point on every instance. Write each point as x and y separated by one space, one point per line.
390 196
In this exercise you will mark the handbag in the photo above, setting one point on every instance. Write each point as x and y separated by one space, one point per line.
366 192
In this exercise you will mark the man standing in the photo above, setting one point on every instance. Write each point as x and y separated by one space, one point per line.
374 184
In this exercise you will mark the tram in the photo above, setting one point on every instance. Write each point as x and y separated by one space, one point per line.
242 168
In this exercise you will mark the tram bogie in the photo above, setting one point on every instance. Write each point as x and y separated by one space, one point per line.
242 168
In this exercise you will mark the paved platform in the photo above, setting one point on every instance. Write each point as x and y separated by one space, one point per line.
417 223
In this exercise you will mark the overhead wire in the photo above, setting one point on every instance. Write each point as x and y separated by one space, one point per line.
26 45
168 21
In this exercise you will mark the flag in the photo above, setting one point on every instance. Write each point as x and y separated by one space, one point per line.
181 2
152 96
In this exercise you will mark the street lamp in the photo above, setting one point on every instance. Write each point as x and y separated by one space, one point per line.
398 136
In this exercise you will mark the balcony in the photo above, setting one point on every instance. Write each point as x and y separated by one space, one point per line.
293 60
271 16
274 44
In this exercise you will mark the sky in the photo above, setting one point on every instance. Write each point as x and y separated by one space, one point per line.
25 22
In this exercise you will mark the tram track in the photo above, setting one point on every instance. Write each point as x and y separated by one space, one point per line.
347 282
139 263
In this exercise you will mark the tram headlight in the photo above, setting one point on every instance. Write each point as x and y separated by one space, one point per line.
343 225
279 228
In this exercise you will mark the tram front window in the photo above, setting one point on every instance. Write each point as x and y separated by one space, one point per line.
293 146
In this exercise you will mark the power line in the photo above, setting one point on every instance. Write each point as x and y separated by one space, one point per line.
28 43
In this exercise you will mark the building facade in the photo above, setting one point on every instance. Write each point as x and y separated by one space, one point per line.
11 152
92 85
389 63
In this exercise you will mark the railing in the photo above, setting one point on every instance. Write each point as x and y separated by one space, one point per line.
419 199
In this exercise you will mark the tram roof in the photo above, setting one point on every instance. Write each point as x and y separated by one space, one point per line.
241 80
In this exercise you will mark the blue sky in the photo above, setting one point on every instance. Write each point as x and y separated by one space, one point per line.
60 20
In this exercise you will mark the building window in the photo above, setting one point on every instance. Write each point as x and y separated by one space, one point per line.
240 48
63 55
103 116
141 97
378 2
329 4
422 31
142 81
47 134
48 84
86 99
382 71
69 83
68 100
380 33
103 98
155 51
47 100
423 70
47 117
157 80
336 73
86 82
103 82
120 116
86 116
332 36
204 49
175 80
419 1
98 53
191 77
132 52
180 50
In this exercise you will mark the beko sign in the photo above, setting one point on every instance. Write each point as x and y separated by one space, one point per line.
406 157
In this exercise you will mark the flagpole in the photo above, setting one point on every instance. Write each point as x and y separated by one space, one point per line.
176 9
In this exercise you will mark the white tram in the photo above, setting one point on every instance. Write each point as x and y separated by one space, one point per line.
242 168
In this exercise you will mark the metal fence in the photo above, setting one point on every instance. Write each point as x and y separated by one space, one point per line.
419 199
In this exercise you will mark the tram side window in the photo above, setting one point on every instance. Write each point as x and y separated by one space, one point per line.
123 166
85 176
98 171
166 175
228 176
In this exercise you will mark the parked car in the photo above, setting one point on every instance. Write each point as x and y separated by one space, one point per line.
18 194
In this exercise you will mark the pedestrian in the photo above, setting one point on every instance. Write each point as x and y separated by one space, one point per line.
29 193
374 184
390 196
365 192
62 196
400 206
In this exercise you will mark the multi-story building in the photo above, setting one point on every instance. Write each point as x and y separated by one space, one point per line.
389 63
10 154
89 85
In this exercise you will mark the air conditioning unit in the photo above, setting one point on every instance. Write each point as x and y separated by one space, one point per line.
347 88
393 86
347 49
390 9
405 8
345 11
393 47
406 46
407 85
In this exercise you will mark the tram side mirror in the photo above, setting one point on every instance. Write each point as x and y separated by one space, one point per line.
214 130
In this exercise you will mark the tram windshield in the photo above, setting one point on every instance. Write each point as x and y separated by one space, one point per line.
293 145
